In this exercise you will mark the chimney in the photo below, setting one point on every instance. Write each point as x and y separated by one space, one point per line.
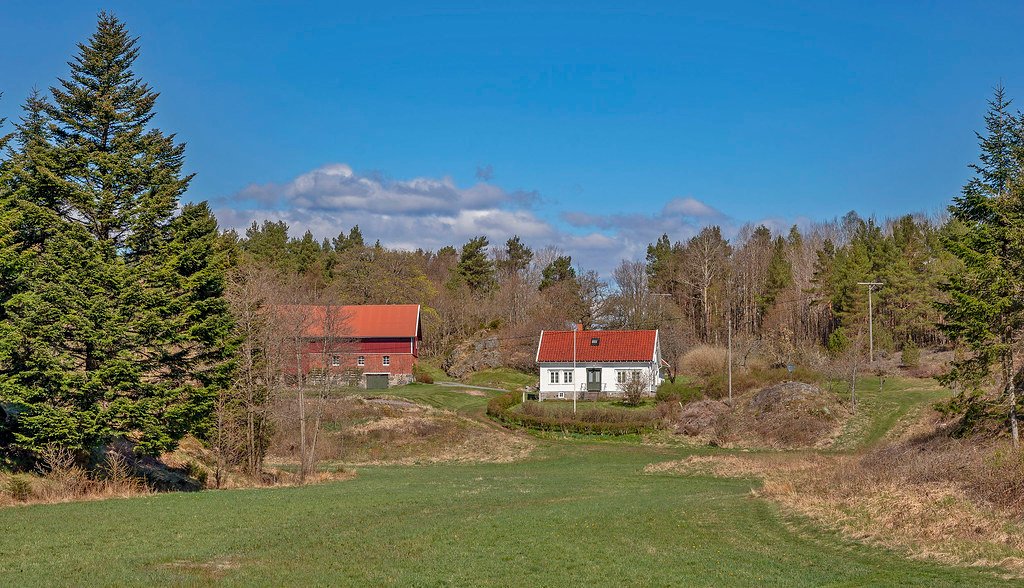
579 327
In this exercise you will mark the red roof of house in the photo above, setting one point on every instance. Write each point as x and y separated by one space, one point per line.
557 346
368 321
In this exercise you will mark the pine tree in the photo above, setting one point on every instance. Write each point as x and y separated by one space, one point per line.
117 326
305 254
985 310
517 257
475 268
560 270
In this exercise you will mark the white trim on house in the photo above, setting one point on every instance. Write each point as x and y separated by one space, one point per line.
609 376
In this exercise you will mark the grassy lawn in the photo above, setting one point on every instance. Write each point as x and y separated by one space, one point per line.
575 515
501 378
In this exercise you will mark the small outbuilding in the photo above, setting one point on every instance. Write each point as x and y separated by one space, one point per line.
589 364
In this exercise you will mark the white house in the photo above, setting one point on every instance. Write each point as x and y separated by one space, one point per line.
593 363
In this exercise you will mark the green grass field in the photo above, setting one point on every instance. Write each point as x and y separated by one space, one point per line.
501 378
575 513
880 411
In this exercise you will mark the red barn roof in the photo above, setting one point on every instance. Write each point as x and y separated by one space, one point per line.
368 321
557 346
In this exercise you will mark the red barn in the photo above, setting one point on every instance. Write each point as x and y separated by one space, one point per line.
379 342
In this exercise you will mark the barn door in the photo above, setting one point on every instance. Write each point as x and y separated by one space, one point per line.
376 381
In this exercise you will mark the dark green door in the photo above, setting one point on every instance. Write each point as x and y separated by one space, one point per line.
376 381
594 380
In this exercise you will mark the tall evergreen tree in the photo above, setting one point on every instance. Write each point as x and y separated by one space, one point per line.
117 326
985 310
660 264
779 276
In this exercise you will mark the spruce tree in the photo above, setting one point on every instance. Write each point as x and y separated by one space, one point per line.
985 309
117 325
778 277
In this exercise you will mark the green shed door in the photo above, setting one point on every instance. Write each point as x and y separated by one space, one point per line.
376 381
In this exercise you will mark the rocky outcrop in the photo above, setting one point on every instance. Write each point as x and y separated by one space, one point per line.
478 353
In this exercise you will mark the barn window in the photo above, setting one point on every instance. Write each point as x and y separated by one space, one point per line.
387 360
361 360
335 361
595 341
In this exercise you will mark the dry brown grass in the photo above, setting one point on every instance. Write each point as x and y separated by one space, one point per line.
61 479
359 431
790 415
704 361
930 498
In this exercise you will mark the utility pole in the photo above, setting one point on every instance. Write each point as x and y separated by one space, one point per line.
575 388
871 322
730 360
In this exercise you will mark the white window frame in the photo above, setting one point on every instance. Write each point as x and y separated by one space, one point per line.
621 376
567 376
553 376
386 360
361 361
335 360
561 395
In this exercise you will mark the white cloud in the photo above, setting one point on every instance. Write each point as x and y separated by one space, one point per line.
690 207
420 212
430 213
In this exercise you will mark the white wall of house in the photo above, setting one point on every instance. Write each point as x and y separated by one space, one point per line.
610 377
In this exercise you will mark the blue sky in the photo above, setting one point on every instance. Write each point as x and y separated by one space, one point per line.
590 129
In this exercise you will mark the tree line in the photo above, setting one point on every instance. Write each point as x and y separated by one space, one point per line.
128 314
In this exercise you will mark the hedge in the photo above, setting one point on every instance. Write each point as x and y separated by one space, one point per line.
500 408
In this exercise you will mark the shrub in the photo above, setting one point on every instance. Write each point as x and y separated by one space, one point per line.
837 342
197 472
678 391
704 361
421 375
19 487
910 357
633 391
593 421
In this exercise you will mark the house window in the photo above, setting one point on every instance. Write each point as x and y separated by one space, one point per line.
561 394
595 341
567 377
387 360
623 376
335 361
361 361
553 375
